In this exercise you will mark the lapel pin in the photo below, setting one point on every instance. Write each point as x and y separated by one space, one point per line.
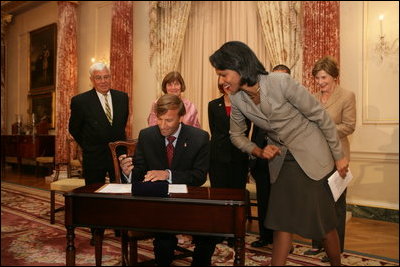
184 145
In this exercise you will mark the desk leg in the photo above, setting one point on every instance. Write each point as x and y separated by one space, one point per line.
70 255
124 248
98 241
239 252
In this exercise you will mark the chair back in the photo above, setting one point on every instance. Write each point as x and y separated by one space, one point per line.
130 147
74 165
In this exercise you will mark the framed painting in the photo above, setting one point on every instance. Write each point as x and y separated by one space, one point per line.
43 106
43 59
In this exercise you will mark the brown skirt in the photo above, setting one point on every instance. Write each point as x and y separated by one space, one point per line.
299 204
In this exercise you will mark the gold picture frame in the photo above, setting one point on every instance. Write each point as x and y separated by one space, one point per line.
43 106
42 59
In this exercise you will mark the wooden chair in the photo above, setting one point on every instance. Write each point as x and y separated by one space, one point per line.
130 148
47 162
252 200
74 166
66 184
44 159
129 239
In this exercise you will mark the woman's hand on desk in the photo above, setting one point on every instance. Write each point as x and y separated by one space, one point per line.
126 164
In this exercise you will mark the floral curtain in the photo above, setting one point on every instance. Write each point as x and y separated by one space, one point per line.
321 36
5 19
281 24
67 74
210 25
121 54
168 20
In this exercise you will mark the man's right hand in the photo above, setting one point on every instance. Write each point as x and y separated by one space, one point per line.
126 164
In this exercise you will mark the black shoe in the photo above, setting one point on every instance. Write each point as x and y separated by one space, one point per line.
259 243
313 251
117 233
325 259
231 242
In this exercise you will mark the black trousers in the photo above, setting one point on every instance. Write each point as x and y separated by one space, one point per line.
260 173
94 176
165 244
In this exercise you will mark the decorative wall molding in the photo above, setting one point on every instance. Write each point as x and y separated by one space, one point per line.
380 82
371 204
17 7
377 157
375 213
376 180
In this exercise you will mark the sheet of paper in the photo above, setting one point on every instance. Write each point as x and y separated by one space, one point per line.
177 188
338 184
115 188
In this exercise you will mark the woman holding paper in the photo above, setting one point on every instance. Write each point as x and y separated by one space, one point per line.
303 147
341 107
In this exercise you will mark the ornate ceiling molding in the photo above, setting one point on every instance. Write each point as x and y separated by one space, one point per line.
17 7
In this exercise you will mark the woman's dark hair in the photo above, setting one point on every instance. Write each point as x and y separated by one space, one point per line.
281 67
238 57
172 77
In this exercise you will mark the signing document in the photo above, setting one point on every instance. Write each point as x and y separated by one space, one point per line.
115 188
339 184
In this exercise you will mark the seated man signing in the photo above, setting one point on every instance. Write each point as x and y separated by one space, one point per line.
179 154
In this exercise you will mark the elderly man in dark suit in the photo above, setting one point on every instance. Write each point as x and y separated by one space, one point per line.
98 117
186 164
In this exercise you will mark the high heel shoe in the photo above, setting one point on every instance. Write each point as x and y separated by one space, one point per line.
259 243
325 259
313 251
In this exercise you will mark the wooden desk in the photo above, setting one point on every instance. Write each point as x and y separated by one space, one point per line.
203 211
27 147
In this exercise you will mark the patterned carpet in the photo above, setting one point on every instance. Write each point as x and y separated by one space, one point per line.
27 238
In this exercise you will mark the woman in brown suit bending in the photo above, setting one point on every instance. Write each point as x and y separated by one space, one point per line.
341 107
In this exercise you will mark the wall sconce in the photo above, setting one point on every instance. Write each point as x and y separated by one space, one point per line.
383 48
102 60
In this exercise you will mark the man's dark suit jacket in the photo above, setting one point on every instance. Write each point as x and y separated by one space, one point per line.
191 155
89 126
